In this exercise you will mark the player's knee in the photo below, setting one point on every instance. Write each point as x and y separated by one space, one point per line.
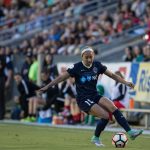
106 115
113 108
73 101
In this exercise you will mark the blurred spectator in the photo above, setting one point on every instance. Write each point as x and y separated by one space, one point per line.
2 82
1 13
119 94
128 57
26 65
9 74
48 63
33 71
16 12
9 64
52 93
16 110
23 4
66 38
146 53
137 54
147 15
26 90
138 6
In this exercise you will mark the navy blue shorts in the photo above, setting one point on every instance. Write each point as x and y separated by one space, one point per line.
86 104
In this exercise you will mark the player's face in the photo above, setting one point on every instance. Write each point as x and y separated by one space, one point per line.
17 78
44 76
88 58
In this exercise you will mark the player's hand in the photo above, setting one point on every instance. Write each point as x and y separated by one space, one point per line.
131 85
42 90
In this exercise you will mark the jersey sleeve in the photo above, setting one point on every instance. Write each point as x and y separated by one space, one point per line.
102 68
72 71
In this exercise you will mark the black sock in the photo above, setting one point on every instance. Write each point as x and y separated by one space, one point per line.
121 120
100 126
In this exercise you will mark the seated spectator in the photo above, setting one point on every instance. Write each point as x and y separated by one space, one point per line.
119 94
45 100
137 54
128 57
71 111
27 91
52 93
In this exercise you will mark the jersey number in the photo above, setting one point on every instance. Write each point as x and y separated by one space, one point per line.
89 102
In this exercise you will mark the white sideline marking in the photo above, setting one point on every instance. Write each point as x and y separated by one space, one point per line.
146 137
112 129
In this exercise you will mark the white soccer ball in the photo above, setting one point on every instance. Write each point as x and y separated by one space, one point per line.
119 140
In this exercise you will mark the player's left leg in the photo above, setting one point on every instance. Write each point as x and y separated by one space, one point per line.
99 112
109 105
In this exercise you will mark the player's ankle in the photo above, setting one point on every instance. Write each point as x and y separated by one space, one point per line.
95 137
129 132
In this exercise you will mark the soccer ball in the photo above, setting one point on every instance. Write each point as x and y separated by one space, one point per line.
119 140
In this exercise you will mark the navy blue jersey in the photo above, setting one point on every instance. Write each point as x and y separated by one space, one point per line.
86 78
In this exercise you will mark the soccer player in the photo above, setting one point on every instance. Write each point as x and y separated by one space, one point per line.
86 75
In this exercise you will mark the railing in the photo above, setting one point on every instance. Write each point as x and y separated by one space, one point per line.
4 21
46 21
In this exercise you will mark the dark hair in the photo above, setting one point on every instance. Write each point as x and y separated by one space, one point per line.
130 48
17 74
45 71
29 54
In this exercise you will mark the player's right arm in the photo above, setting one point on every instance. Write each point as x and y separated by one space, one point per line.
57 80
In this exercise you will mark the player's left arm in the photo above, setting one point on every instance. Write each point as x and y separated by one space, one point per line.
118 78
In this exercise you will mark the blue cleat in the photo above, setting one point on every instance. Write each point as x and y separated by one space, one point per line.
133 134
95 140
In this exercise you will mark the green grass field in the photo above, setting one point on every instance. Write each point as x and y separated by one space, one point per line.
24 137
